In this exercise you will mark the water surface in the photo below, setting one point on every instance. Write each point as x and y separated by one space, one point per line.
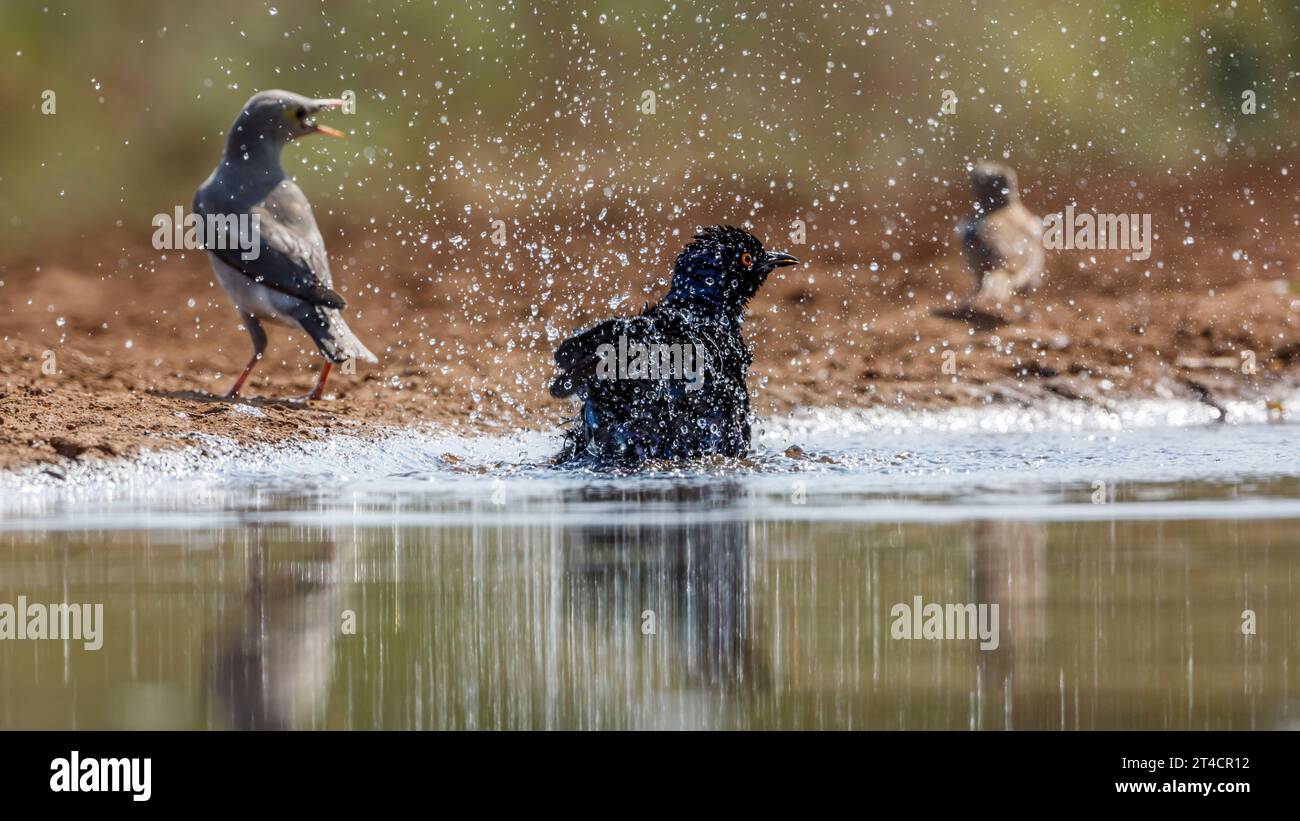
434 581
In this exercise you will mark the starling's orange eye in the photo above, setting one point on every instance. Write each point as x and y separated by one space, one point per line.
746 259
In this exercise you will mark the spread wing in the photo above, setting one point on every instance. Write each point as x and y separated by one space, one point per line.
287 260
579 355
715 354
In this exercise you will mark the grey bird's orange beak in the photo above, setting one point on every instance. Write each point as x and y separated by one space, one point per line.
322 105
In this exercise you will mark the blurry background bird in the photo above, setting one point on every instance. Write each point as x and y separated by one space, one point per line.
1001 238
629 418
287 280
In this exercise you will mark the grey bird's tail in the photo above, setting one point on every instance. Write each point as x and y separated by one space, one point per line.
331 333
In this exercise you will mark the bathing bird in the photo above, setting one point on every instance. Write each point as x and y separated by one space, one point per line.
670 383
277 270
1001 237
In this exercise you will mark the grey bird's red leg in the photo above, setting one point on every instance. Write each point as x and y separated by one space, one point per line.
233 393
258 333
319 391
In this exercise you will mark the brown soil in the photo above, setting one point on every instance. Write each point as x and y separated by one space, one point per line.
136 364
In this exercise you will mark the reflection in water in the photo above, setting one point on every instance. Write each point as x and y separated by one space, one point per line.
678 586
272 657
1009 568
654 604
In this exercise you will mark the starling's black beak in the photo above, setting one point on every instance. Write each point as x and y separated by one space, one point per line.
779 260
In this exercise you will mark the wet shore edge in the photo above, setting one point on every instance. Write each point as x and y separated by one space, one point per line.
205 436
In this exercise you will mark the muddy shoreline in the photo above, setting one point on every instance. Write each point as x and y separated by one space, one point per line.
102 356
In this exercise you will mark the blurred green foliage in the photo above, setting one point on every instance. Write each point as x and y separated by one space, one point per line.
532 108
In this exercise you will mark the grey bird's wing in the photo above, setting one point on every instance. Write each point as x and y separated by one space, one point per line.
291 255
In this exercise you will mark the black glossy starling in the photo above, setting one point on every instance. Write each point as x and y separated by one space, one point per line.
670 383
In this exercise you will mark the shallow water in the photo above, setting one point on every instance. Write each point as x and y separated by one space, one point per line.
488 589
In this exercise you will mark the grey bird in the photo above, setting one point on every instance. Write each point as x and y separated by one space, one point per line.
279 272
1001 237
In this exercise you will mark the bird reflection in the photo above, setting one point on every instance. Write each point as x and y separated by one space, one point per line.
1010 569
669 565
272 658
